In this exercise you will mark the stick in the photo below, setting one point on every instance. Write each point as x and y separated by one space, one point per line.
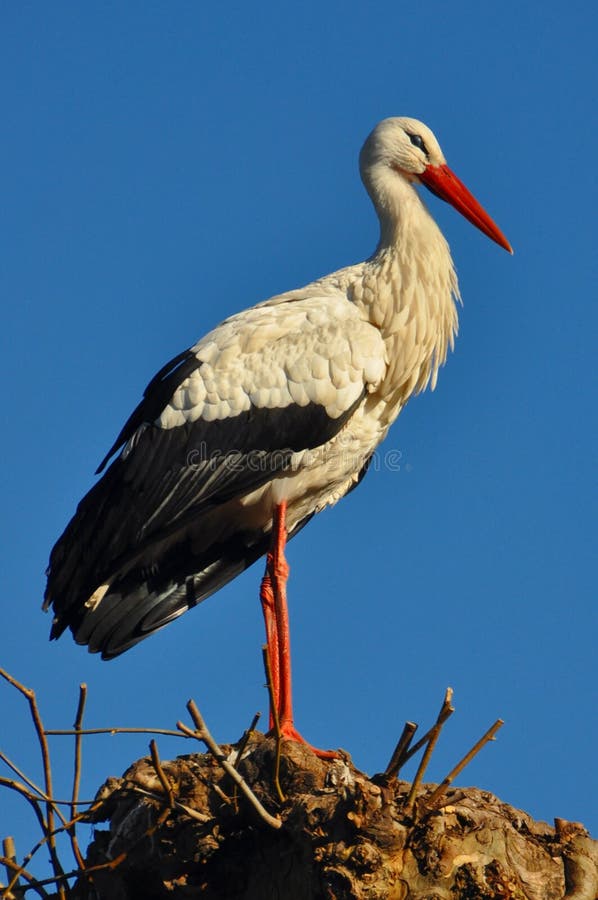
439 791
245 739
202 733
15 785
33 800
392 769
445 711
9 850
34 787
77 775
45 752
166 786
15 871
176 804
71 731
9 864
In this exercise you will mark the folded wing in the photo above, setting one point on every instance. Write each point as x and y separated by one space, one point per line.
158 532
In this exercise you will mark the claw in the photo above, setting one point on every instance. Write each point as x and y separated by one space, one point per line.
288 732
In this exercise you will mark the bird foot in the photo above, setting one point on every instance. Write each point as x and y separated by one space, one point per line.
288 732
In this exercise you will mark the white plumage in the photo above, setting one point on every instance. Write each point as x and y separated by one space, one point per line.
285 401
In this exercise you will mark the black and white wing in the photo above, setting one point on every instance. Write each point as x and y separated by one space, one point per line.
161 529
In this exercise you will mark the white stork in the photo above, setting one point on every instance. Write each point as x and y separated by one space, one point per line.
267 420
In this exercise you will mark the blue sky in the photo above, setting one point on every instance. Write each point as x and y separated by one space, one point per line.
164 165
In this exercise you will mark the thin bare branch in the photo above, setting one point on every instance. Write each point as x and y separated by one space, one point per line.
32 882
72 831
202 733
11 765
23 866
78 743
45 753
432 800
176 804
37 792
394 764
245 739
44 840
9 782
166 785
445 711
38 884
111 864
31 798
13 891
69 732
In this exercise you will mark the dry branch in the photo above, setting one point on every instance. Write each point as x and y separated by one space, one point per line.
29 694
202 733
338 833
342 837
446 710
433 799
394 764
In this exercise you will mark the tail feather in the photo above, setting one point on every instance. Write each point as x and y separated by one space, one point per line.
142 598
135 607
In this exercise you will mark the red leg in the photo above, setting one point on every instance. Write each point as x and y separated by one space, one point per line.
269 611
276 615
279 574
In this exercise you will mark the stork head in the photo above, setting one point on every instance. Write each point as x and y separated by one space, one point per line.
401 150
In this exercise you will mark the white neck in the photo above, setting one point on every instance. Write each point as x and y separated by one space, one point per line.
408 289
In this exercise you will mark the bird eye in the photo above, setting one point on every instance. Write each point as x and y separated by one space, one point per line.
418 141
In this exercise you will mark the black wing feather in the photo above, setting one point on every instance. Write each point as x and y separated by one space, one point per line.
155 397
131 530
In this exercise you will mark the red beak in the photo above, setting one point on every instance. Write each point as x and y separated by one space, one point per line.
445 184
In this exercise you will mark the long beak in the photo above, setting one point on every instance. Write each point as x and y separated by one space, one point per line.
445 184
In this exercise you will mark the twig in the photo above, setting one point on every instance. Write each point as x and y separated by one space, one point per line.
238 756
166 785
38 884
245 739
176 804
439 791
202 733
33 800
110 864
78 818
221 794
394 764
274 711
13 891
44 840
70 731
9 864
215 787
445 711
35 804
77 775
78 744
34 787
39 728
37 792
9 782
